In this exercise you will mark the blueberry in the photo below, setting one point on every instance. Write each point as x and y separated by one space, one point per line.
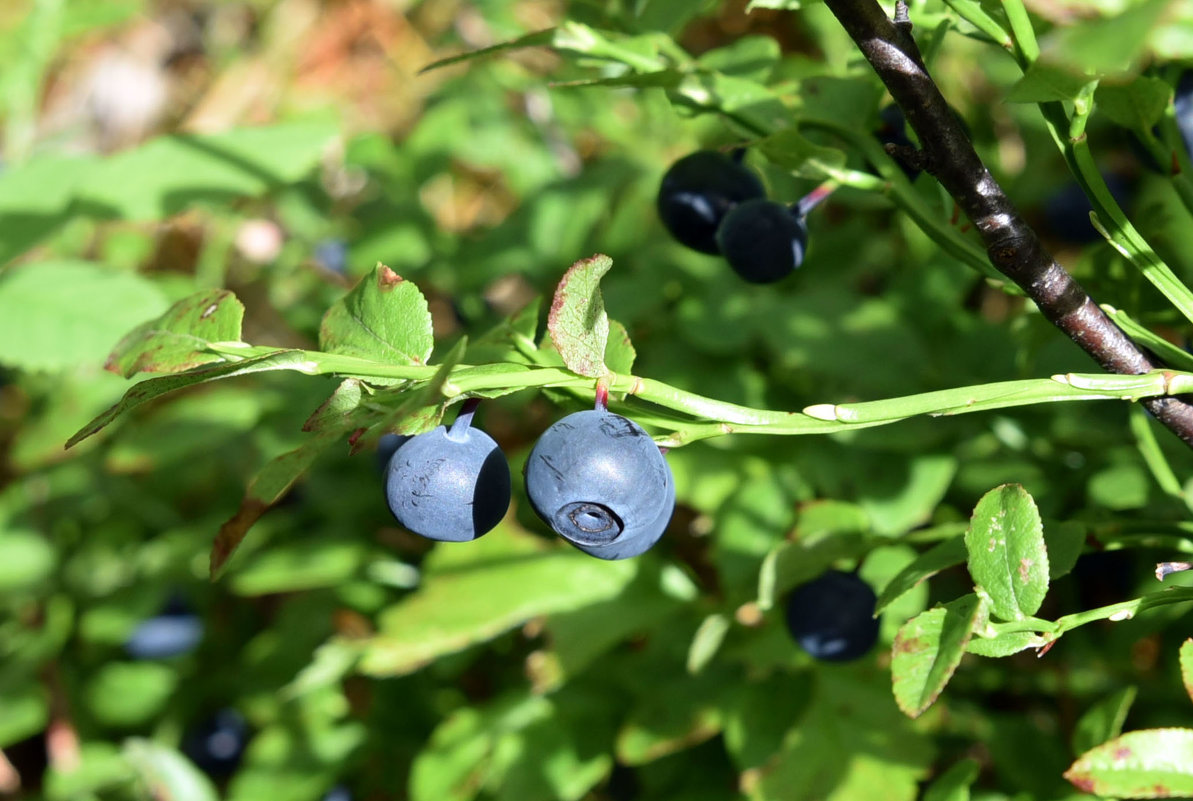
217 744
892 130
698 191
601 483
763 241
1182 104
338 793
386 447
832 617
164 636
1066 211
332 254
451 485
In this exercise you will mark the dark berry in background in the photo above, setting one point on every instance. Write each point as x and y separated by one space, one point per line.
763 241
698 191
832 617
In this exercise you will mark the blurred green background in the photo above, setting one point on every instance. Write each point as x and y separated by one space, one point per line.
280 150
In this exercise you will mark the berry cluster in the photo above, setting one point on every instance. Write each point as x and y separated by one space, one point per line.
595 477
713 203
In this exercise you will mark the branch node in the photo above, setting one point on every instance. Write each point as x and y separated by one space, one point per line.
902 18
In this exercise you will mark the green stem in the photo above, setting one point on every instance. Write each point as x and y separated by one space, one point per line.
1027 49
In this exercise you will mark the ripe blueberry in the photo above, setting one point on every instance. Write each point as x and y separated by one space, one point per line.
217 744
451 484
698 191
601 483
763 241
387 446
176 631
832 617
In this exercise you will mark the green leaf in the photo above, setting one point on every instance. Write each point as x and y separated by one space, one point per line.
750 57
177 340
851 744
26 712
1187 665
124 694
1137 105
1043 83
338 410
577 322
619 351
1152 763
266 488
535 39
1007 556
156 387
953 784
1114 43
1104 720
707 641
169 775
26 560
172 173
384 318
1005 644
808 160
56 315
679 714
35 199
927 651
496 583
937 558
1063 539
291 567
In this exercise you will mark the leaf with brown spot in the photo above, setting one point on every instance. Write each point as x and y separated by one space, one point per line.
383 318
177 340
1007 556
1150 763
928 649
577 322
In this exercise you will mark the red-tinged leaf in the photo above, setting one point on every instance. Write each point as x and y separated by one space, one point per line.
577 322
267 488
1151 763
177 340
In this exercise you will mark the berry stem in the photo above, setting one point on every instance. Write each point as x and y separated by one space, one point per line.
601 402
814 198
459 429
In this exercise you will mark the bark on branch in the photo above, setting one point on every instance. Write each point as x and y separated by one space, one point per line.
1012 246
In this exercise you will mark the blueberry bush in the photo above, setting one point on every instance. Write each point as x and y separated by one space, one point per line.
850 338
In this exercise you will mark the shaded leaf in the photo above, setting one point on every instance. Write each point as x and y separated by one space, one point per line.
62 314
927 651
1137 105
1007 556
496 583
170 174
1187 665
1152 763
266 488
156 387
1044 83
940 556
1104 720
679 714
577 322
167 774
789 149
709 636
953 784
177 340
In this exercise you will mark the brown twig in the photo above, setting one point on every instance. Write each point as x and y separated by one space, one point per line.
1012 246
